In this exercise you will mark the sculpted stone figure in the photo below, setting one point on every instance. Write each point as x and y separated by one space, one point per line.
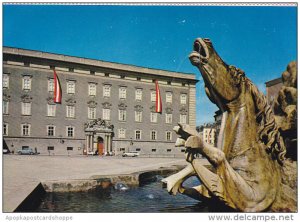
249 160
285 109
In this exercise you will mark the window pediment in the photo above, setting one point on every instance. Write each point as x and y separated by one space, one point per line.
122 106
26 98
106 105
152 108
183 110
6 96
138 108
70 101
50 100
92 104
169 110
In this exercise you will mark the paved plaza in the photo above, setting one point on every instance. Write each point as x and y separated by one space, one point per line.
21 174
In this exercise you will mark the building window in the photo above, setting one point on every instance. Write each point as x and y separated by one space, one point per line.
26 83
70 131
106 114
138 134
138 78
122 133
153 135
182 118
122 115
153 150
122 92
122 149
169 150
91 112
26 108
5 107
168 136
169 97
153 96
69 148
49 148
153 117
71 87
183 98
169 117
138 149
25 129
51 130
5 81
50 85
138 116
5 129
70 111
138 94
106 91
51 110
92 89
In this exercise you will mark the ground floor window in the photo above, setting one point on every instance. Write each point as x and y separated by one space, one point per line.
50 148
153 150
138 134
50 130
69 148
5 129
153 135
168 135
169 150
25 129
138 149
122 133
182 118
70 131
122 149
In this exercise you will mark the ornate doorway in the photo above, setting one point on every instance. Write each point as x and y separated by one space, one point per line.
98 135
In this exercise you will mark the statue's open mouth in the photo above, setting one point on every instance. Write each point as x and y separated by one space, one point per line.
200 53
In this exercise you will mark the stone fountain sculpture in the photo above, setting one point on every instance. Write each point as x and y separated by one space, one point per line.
248 165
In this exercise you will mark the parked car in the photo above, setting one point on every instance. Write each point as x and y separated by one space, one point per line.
26 151
93 153
131 154
6 151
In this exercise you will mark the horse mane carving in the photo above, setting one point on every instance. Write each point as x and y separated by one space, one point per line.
268 130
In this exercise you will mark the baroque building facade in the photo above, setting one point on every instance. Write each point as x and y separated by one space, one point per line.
108 107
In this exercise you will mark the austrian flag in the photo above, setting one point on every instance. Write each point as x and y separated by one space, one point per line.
57 89
158 98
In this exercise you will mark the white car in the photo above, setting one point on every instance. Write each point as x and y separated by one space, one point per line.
131 154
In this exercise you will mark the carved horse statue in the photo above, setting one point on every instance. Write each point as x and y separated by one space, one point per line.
247 162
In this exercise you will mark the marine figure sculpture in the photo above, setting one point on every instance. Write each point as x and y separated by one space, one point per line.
250 155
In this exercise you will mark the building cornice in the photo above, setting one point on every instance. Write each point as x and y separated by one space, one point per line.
82 62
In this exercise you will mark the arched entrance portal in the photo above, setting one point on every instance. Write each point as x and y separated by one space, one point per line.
100 145
99 135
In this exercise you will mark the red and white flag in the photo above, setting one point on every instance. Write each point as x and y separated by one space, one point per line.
57 89
158 98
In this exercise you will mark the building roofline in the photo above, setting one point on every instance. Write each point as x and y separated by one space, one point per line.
273 82
97 63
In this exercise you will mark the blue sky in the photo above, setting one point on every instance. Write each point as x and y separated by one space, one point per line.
259 40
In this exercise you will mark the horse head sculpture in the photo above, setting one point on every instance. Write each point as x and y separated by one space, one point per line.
250 153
